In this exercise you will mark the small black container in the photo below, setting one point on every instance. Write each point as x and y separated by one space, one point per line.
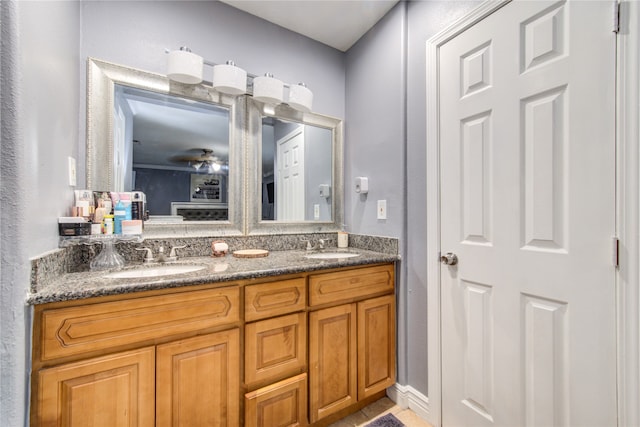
74 228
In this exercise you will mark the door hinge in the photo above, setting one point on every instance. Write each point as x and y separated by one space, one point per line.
616 16
615 251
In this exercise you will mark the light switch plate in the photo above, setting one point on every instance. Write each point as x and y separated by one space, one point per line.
382 209
316 212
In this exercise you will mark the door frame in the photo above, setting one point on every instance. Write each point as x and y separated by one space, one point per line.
627 208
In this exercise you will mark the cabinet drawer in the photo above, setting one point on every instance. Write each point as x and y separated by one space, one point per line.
280 404
275 348
274 299
350 285
76 330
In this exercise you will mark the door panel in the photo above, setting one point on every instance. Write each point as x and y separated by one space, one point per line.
332 360
113 390
527 145
196 373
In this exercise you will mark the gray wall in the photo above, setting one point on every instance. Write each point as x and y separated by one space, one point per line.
317 170
39 113
374 129
425 19
386 141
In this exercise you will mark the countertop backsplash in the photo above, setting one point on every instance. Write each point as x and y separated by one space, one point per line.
76 258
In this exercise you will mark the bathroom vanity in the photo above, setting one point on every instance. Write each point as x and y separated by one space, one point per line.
282 340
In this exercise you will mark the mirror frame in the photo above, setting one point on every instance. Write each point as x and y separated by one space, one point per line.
255 225
102 77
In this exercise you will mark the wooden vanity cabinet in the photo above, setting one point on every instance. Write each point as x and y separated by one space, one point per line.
302 349
352 345
276 353
163 358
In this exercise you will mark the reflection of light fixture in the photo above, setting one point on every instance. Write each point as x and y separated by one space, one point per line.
229 79
215 166
184 66
300 97
268 89
197 165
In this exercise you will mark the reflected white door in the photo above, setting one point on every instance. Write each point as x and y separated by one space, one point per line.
290 185
119 147
527 149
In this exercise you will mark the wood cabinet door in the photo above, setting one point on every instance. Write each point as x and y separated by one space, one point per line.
114 390
332 360
376 345
275 349
283 404
198 381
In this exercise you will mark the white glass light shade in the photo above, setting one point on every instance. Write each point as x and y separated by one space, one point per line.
268 89
300 97
229 79
185 67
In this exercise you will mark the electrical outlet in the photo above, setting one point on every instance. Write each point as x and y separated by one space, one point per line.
72 172
382 209
316 212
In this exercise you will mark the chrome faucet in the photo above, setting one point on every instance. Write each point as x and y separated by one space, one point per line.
161 257
311 247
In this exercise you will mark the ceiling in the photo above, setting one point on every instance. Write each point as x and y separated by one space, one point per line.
337 23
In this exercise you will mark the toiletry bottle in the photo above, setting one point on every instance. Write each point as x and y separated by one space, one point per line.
107 224
119 215
137 207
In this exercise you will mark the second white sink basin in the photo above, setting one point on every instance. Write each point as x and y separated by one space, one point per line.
331 255
161 270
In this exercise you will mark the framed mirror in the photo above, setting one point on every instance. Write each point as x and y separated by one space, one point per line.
294 171
180 144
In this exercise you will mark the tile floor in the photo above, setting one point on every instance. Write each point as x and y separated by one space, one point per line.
378 409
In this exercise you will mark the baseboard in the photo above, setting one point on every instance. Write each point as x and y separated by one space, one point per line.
408 397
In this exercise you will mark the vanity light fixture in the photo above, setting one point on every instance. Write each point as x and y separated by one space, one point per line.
300 97
183 66
229 79
186 67
268 89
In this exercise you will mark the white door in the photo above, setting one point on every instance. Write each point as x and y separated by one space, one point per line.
527 149
290 186
119 148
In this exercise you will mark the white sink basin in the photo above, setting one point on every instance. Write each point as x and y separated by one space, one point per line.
331 255
161 270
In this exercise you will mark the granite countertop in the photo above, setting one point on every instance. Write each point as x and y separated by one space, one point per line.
74 286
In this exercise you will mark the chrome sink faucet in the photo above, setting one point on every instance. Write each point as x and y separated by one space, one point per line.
311 247
161 257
